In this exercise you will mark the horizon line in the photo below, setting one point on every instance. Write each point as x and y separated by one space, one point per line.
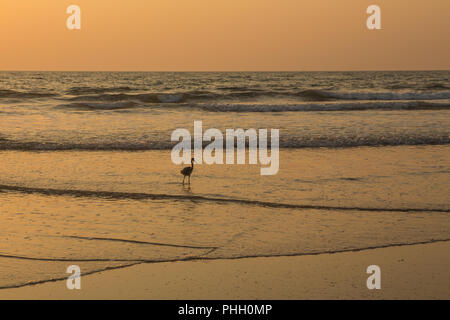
231 71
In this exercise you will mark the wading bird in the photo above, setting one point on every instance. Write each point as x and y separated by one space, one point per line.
188 171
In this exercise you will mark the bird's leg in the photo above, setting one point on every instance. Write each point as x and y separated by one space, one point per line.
184 177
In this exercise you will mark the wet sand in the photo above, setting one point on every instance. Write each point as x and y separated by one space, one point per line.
407 272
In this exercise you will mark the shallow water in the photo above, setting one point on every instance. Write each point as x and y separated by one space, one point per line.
104 209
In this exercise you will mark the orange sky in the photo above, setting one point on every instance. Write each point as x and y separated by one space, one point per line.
229 35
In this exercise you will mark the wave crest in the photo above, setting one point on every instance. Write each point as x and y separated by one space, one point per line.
206 96
5 93
144 97
94 90
305 107
343 95
286 142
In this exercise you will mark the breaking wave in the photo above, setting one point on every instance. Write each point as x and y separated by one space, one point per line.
349 106
91 106
342 95
24 95
94 90
305 95
286 142
144 97
258 107
434 91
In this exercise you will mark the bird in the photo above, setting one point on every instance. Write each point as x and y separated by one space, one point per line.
186 172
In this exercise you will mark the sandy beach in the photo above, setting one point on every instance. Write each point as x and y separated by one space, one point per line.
407 272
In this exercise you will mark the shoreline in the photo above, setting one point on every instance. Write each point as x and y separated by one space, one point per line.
407 272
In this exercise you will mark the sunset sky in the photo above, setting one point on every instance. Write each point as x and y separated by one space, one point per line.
224 35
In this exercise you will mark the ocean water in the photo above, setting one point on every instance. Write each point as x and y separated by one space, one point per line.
86 176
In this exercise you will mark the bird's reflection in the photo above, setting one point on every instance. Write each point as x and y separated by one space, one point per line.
187 188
